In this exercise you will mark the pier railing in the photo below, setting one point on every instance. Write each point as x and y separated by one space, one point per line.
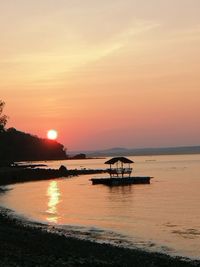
119 171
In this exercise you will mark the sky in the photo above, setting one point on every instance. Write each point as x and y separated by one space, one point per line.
109 73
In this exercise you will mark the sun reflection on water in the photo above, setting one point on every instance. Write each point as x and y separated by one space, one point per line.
53 193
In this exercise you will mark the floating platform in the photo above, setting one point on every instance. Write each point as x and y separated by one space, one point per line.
122 181
120 175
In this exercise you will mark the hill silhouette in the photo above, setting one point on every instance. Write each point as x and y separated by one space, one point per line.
120 151
19 146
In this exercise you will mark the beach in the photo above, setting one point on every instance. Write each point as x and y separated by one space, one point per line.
35 245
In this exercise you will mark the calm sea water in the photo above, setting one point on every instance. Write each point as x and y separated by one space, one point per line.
163 216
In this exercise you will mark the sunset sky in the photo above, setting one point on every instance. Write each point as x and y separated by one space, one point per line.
109 73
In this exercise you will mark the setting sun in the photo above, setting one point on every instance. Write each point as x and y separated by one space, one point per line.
52 134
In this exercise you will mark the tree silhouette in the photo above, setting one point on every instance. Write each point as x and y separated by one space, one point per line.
3 118
19 146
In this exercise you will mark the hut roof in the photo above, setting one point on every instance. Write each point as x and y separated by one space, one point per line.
121 159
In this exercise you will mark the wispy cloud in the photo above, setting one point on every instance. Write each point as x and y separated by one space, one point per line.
36 66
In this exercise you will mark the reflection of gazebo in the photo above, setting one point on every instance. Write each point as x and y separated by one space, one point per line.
119 170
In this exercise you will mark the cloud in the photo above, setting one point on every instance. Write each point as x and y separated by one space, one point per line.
36 66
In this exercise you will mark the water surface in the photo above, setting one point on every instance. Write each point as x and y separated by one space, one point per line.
163 216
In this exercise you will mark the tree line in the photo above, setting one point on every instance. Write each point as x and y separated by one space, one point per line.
19 146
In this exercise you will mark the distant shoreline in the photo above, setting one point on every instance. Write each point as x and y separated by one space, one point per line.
21 174
183 150
71 158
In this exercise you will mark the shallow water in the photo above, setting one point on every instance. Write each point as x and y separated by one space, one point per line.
163 216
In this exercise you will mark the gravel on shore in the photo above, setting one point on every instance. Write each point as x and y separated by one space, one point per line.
26 245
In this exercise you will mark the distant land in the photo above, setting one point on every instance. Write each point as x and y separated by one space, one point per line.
120 151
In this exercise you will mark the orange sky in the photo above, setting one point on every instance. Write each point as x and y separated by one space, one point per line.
103 73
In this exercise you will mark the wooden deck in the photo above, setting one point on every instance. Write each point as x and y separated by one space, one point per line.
122 181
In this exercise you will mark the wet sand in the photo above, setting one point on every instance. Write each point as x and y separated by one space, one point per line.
32 244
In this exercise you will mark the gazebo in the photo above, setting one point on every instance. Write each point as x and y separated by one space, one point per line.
119 170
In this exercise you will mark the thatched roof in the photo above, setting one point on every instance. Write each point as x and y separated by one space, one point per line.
121 159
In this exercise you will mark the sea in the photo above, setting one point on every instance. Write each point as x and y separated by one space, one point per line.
163 216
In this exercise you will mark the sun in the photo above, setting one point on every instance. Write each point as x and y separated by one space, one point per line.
52 134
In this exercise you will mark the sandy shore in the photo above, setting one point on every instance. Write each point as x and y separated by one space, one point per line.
27 245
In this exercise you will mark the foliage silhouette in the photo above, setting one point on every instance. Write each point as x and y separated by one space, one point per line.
3 118
19 146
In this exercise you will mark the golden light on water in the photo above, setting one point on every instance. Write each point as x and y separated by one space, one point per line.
53 193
